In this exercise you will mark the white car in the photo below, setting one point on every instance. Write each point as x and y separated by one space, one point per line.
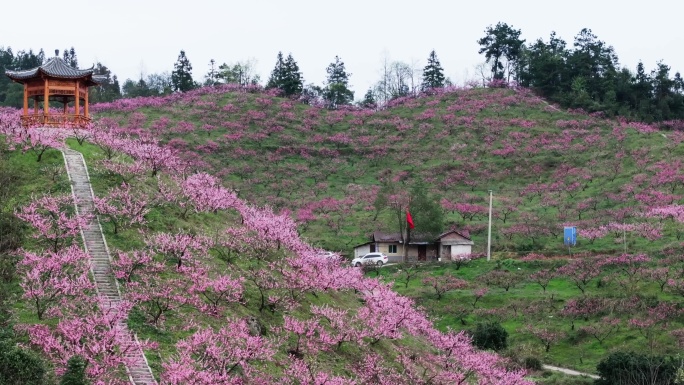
375 258
329 255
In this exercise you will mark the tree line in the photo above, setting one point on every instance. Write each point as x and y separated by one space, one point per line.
285 77
586 75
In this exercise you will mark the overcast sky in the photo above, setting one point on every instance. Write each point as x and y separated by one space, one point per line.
145 36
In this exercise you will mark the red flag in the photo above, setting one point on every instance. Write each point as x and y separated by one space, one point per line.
409 220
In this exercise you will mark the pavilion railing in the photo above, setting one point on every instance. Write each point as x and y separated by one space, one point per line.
55 120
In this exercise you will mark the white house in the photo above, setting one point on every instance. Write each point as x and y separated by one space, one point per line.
447 246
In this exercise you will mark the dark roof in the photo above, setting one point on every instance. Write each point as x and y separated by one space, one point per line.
396 237
99 79
55 67
454 231
386 237
379 236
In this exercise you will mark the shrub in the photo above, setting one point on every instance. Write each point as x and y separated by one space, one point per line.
532 363
634 368
75 372
490 336
20 366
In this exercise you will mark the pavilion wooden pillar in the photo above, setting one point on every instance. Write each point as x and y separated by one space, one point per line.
46 105
25 99
35 105
85 112
77 105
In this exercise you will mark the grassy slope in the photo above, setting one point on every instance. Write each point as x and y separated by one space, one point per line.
178 323
303 161
446 141
288 155
517 307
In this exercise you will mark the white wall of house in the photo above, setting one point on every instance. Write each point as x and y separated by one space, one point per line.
394 251
460 249
360 251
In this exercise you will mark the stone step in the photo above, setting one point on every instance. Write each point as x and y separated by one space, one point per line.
139 371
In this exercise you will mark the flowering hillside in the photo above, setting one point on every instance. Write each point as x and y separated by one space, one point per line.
341 174
212 199
220 291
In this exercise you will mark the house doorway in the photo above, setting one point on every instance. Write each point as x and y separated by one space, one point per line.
372 248
422 252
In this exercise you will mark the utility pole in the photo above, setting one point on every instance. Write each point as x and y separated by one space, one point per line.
489 233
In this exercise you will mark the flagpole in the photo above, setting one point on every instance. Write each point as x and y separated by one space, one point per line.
489 233
409 225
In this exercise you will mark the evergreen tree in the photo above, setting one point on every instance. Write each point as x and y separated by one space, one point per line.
337 92
212 77
427 213
595 62
502 47
286 76
181 77
241 73
70 58
545 66
433 74
293 83
369 100
6 63
133 89
277 77
75 372
159 83
27 60
108 90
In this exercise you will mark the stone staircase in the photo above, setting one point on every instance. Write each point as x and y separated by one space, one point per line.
139 371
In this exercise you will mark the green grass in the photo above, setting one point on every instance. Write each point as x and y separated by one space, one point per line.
576 350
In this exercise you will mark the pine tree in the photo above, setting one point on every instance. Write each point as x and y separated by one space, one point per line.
109 89
293 83
75 372
369 100
212 77
70 58
336 92
433 74
278 74
286 76
181 77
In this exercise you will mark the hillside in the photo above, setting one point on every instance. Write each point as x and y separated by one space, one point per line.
191 254
335 170
344 174
216 289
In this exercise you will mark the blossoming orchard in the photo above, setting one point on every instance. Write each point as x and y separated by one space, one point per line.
217 206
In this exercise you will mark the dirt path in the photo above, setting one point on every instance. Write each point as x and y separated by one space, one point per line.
569 371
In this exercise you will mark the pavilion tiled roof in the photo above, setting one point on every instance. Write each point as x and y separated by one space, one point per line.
54 67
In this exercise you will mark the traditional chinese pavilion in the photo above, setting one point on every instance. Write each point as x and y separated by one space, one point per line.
55 81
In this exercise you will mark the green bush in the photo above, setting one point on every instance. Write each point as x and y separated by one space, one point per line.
637 369
532 363
490 336
75 372
20 366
